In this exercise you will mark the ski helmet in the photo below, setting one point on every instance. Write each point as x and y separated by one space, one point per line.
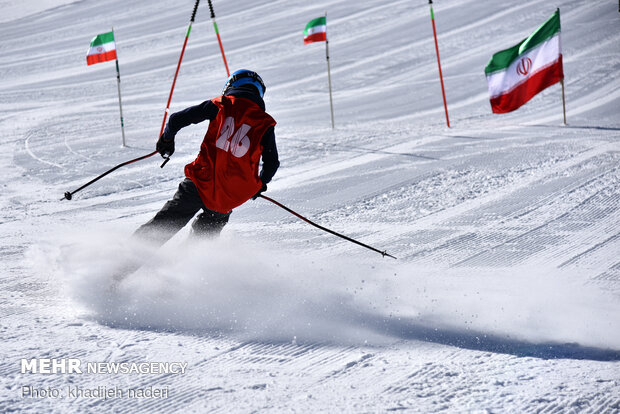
244 77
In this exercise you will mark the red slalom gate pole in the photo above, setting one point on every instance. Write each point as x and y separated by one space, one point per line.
219 39
443 92
176 73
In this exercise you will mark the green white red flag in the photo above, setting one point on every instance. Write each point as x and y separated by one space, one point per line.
517 74
102 49
316 30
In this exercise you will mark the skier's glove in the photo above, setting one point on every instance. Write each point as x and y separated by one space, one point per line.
165 144
262 190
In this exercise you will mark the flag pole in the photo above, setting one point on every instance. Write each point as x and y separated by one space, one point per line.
443 92
219 39
563 101
174 81
118 83
562 80
329 76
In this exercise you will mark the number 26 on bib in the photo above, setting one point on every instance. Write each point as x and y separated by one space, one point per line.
239 144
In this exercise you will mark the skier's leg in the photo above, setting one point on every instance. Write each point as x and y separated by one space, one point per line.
209 223
173 216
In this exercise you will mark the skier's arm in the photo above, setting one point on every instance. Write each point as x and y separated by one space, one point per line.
192 115
270 156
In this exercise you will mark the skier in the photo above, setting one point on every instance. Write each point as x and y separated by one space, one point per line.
226 172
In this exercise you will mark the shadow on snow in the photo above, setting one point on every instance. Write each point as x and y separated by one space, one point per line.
410 329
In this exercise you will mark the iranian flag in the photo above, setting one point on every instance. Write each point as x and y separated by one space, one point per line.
102 49
316 30
516 75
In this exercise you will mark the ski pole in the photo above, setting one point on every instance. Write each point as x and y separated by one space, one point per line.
69 194
174 81
384 253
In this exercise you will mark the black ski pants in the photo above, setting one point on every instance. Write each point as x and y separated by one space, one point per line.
176 213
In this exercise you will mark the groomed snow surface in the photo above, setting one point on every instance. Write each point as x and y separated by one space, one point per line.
506 293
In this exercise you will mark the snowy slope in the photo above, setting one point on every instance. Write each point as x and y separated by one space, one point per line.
505 296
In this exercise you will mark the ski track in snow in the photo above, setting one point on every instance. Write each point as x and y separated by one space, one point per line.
505 295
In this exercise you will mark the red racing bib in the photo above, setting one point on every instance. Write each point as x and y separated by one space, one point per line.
226 169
